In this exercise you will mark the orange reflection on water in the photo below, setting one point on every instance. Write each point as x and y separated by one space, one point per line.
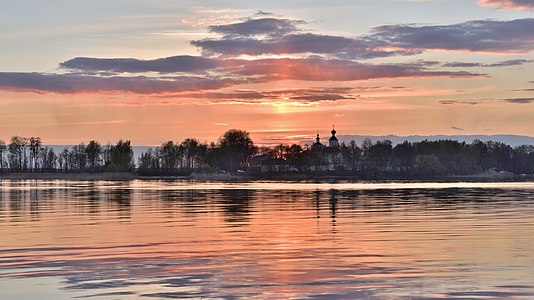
268 239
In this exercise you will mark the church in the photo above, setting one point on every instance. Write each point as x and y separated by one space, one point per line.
326 158
321 158
332 142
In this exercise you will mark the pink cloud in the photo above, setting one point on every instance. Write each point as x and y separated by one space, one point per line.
509 4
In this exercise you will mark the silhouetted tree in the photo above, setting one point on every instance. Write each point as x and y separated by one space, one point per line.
121 157
93 152
149 163
405 154
238 148
17 153
3 149
78 156
379 157
65 160
169 156
194 153
35 147
351 155
48 159
523 157
293 155
429 165
501 155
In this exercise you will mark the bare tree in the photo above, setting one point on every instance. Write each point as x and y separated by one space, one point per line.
3 149
18 159
93 152
35 146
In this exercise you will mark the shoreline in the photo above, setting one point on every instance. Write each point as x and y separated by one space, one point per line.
201 177
70 176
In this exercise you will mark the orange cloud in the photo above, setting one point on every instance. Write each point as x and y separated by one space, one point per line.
508 4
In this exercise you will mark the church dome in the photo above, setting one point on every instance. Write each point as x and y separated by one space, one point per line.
317 141
333 137
333 142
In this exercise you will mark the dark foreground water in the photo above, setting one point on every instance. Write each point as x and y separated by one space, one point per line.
166 240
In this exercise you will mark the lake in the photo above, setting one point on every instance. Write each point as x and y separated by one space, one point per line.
265 240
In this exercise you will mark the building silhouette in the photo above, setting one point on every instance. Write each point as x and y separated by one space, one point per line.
333 142
320 157
326 158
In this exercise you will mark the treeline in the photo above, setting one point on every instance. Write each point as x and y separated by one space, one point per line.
235 152
231 153
29 155
434 158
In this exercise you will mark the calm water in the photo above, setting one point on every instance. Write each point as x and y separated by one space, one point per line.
166 240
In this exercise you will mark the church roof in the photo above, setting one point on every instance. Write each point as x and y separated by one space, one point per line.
318 140
333 137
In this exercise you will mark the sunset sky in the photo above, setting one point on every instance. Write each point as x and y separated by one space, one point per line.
150 71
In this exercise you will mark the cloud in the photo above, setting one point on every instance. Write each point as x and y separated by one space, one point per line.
262 26
68 83
519 100
457 128
267 36
174 64
270 35
474 102
322 97
508 4
521 90
315 69
304 43
427 63
515 36
231 72
506 63
308 95
316 57
239 95
453 102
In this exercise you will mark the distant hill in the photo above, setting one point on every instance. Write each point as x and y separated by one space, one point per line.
512 140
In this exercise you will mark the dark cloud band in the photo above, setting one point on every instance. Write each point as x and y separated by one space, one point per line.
506 63
68 83
174 64
520 100
513 36
262 26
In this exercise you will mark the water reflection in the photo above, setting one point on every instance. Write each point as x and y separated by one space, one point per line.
236 205
109 240
333 207
120 198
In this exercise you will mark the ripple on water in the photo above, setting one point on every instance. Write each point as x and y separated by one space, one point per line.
157 239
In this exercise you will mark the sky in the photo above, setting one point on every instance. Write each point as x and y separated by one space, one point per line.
152 71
